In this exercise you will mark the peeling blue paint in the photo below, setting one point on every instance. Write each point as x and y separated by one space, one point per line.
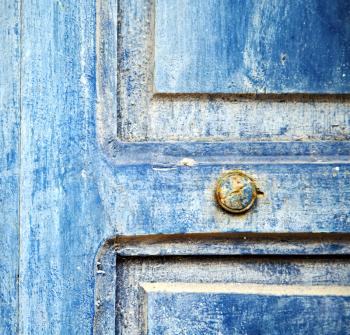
198 314
236 46
9 164
84 177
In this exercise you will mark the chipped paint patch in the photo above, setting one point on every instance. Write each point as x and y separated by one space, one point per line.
187 162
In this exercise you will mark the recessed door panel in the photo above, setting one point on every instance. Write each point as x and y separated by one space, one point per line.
198 308
130 112
157 82
232 295
176 84
235 46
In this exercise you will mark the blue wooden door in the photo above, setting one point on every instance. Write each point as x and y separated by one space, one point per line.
175 167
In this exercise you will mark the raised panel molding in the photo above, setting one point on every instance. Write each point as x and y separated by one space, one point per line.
131 109
136 274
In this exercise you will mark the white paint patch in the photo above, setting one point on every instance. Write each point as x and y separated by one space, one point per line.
187 162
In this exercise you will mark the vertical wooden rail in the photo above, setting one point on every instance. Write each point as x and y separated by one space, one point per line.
9 163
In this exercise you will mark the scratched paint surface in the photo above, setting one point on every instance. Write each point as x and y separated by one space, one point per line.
136 112
80 185
236 46
9 164
159 289
199 314
61 224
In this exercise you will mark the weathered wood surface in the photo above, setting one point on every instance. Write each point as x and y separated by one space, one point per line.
250 46
61 222
147 256
145 282
216 244
9 163
227 312
137 114
180 199
80 185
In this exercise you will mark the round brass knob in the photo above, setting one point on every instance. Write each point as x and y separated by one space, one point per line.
235 191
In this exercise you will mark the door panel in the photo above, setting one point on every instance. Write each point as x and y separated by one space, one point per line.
118 165
152 284
177 106
175 110
238 309
130 110
225 46
232 295
216 133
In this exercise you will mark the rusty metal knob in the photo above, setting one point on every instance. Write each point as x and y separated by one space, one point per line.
235 191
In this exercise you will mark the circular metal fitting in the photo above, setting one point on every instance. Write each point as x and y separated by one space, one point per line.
235 191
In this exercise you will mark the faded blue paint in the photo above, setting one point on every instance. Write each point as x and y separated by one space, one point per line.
227 314
61 210
136 116
240 46
9 164
296 179
76 193
142 252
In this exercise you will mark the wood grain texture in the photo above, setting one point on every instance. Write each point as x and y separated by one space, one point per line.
240 313
136 306
61 210
9 163
147 256
135 113
297 198
235 46
77 192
